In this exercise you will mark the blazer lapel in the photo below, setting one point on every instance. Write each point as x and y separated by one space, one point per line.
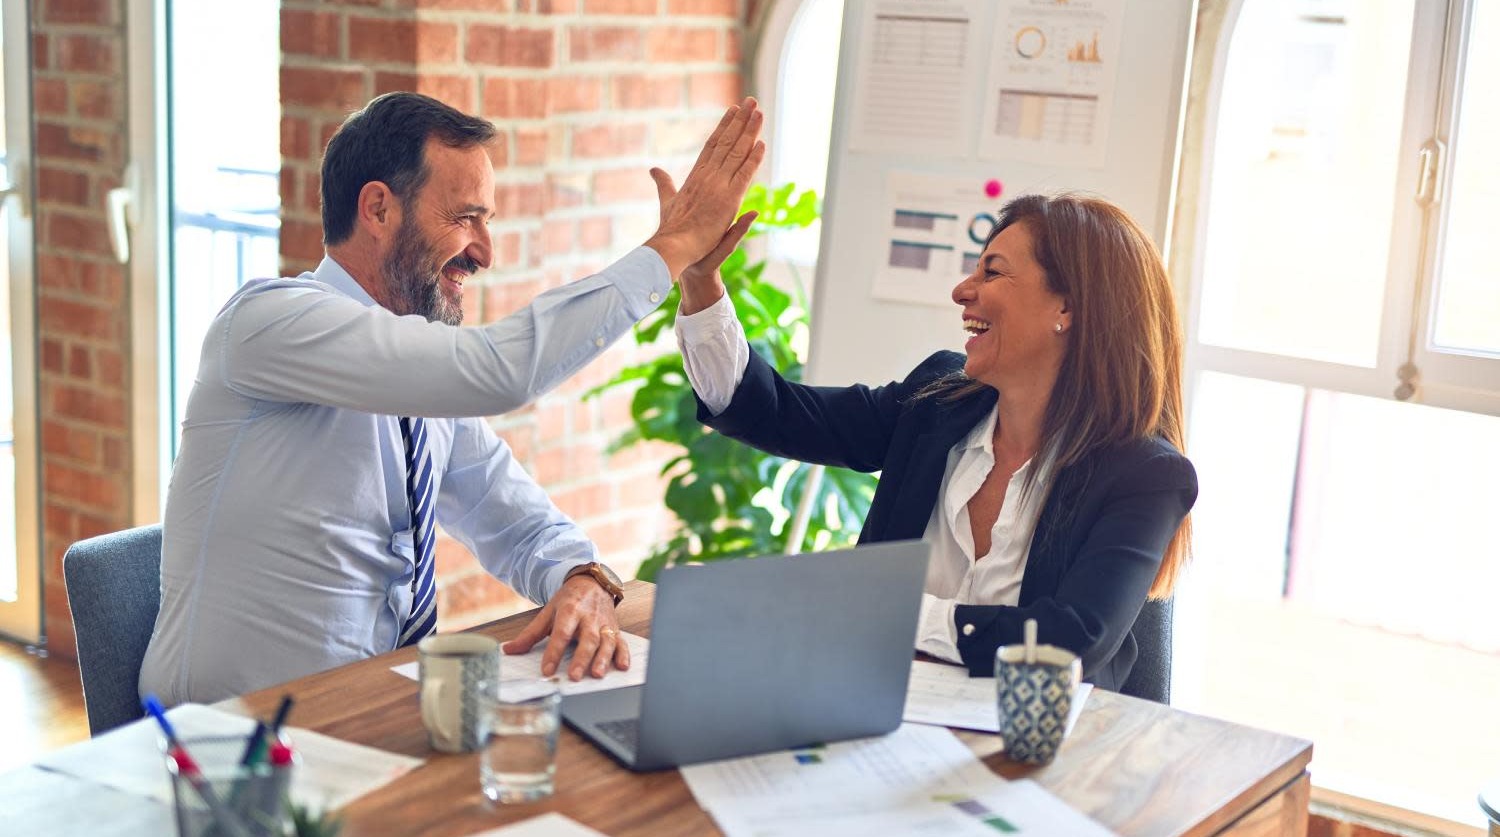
920 481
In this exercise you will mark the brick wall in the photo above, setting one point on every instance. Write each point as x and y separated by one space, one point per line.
82 320
588 94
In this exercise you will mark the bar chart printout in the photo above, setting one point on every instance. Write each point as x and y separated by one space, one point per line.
1051 81
916 63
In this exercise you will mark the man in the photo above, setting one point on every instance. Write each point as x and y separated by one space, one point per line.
334 419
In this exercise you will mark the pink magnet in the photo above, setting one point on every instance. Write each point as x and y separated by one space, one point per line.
992 188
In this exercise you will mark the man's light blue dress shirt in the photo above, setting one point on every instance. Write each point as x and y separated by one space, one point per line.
287 541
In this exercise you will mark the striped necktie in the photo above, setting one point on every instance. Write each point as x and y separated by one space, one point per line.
423 619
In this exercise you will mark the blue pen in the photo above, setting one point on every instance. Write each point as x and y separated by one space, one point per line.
188 770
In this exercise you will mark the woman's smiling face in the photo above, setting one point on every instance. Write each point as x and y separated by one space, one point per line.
1011 312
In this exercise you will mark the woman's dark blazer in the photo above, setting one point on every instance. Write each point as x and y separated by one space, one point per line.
1103 528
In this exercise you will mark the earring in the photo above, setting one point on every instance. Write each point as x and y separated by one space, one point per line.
1057 328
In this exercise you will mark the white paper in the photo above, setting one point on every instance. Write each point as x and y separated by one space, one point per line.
331 772
546 825
530 665
914 63
1050 89
935 229
947 696
917 780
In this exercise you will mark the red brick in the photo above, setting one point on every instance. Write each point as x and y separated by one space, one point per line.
612 140
706 8
296 138
567 189
59 186
76 444
548 7
518 200
506 46
70 143
623 185
455 90
575 94
583 502
531 146
595 233
95 12
604 43
96 100
734 46
638 92
52 355
515 98
86 403
50 96
114 454
620 7
558 235
402 41
98 491
491 6
59 521
80 365
319 34
79 233
301 241
507 254
88 54
109 368
717 89
329 89
676 44
41 54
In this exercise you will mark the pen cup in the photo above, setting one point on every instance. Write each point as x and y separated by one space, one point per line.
224 798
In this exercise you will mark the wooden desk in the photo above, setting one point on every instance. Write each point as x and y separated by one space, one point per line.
1137 767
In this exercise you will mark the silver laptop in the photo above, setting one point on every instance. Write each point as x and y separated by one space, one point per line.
766 654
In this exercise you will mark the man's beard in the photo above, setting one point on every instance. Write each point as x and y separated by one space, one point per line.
413 278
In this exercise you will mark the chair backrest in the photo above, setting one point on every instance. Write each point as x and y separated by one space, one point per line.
1151 678
114 590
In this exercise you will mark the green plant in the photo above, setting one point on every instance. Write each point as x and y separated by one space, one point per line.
730 499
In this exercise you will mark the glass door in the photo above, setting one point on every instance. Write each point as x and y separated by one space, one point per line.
20 561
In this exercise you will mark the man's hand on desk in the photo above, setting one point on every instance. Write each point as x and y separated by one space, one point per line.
582 610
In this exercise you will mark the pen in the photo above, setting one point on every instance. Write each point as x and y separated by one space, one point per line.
281 712
252 745
188 770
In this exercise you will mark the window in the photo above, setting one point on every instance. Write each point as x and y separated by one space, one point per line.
797 68
1344 355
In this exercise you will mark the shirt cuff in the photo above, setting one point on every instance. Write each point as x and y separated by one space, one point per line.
642 278
935 634
714 352
559 574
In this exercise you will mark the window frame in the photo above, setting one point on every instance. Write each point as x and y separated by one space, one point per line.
1444 379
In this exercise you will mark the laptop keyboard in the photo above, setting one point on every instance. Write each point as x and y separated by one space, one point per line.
622 732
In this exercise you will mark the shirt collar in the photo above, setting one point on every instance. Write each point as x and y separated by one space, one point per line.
982 438
333 274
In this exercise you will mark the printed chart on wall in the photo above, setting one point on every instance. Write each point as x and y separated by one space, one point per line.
935 231
913 62
1051 82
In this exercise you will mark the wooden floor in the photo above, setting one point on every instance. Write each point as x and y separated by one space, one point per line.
41 705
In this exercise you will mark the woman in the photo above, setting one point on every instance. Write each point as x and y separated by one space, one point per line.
1044 464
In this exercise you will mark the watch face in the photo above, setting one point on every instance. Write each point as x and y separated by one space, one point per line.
609 574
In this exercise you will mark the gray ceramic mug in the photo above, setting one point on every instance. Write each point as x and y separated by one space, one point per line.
1034 699
451 669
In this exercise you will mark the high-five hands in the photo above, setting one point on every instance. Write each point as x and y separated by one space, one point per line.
698 219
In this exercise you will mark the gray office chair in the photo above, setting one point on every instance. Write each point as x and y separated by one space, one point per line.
1151 678
114 590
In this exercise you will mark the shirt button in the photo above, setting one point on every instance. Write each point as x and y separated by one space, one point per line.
968 630
599 341
655 297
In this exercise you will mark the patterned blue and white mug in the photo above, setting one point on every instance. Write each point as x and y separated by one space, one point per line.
1034 699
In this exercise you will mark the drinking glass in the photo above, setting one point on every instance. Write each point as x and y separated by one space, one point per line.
519 758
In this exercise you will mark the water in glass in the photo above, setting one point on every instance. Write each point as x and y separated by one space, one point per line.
520 752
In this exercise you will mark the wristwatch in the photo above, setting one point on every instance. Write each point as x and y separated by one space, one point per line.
605 576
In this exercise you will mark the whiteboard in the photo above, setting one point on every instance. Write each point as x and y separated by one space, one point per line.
857 337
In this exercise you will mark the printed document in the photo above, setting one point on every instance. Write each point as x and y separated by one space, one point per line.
530 665
947 696
917 780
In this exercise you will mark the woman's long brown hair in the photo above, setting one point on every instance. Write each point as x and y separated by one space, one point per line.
1121 378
